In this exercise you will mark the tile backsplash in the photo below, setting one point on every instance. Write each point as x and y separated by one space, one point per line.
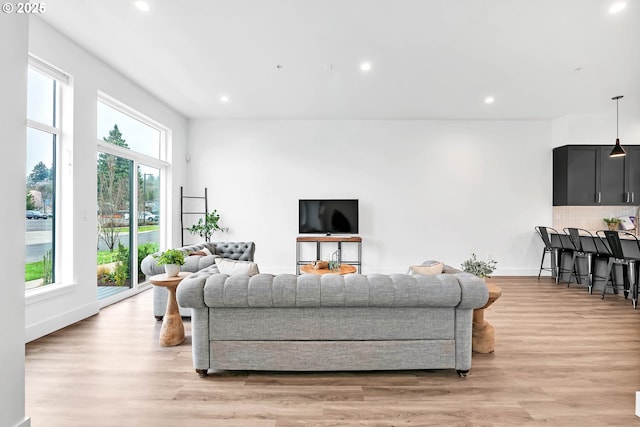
588 217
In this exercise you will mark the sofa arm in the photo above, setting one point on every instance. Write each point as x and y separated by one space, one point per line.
190 292
474 291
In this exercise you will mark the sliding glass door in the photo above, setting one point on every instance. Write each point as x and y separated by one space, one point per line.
130 196
115 222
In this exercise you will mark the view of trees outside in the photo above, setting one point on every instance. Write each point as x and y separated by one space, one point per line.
119 179
113 192
115 220
42 131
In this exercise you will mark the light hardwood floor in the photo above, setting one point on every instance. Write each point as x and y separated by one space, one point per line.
562 358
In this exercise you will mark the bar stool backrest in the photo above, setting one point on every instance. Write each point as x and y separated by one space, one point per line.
629 245
544 235
615 246
575 238
581 239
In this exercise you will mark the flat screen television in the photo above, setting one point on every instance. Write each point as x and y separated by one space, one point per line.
328 216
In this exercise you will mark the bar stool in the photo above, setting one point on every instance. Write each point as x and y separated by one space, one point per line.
626 261
583 248
600 257
553 247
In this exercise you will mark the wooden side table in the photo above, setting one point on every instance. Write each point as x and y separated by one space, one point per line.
483 336
344 269
172 331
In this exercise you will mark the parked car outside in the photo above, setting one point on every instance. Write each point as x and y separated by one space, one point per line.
148 216
144 216
33 214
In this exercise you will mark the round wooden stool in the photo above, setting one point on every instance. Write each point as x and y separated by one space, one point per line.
484 336
172 331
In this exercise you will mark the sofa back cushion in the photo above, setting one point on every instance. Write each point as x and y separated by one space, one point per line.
330 290
242 251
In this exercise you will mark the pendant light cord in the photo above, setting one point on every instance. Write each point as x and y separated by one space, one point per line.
617 119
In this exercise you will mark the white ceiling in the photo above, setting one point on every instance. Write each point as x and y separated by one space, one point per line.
432 59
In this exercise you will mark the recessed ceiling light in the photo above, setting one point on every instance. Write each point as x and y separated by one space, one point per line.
365 66
489 100
617 7
224 99
142 5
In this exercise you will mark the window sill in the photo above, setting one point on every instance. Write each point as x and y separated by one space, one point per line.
47 292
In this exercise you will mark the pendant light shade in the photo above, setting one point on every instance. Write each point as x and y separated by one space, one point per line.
617 151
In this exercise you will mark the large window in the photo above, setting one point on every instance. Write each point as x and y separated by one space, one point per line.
43 135
131 172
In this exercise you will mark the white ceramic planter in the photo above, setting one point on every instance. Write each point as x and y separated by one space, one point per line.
172 270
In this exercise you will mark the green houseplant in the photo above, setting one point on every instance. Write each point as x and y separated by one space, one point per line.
172 259
207 226
612 223
478 267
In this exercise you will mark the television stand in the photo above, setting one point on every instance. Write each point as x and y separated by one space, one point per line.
319 240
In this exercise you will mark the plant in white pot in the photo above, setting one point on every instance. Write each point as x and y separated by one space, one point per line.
207 226
172 260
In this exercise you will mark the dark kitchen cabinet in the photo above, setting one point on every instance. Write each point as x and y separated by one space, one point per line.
612 178
632 167
585 175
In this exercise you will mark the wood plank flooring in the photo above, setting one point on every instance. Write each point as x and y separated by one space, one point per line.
562 358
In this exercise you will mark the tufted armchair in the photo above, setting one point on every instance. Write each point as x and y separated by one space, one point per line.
241 251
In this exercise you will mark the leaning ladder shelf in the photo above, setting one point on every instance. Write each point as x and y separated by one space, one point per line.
184 213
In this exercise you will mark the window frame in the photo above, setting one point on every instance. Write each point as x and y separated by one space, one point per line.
62 84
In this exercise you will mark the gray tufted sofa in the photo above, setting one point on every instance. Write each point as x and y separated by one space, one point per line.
331 322
242 251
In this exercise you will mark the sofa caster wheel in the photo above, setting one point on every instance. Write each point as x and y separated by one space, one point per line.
202 372
159 318
462 374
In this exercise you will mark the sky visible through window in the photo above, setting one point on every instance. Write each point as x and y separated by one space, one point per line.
40 108
138 136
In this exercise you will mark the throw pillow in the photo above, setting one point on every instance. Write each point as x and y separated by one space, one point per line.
199 253
206 251
428 269
231 267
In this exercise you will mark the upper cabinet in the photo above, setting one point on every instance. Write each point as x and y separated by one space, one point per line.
585 175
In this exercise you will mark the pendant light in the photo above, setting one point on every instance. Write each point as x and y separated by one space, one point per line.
617 151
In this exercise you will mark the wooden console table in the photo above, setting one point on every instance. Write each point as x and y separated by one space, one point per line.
319 240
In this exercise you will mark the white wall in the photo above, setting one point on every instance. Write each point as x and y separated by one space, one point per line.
52 310
597 129
13 108
427 189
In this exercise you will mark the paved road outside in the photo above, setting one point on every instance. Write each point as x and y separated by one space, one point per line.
39 237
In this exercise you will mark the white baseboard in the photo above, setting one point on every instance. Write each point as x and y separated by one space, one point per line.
24 423
52 324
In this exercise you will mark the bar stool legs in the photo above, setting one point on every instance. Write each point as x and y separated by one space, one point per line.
625 264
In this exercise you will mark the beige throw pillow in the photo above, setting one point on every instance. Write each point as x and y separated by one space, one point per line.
428 269
231 267
206 251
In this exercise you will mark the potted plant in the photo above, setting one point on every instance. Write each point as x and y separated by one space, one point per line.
480 268
207 226
612 223
172 260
